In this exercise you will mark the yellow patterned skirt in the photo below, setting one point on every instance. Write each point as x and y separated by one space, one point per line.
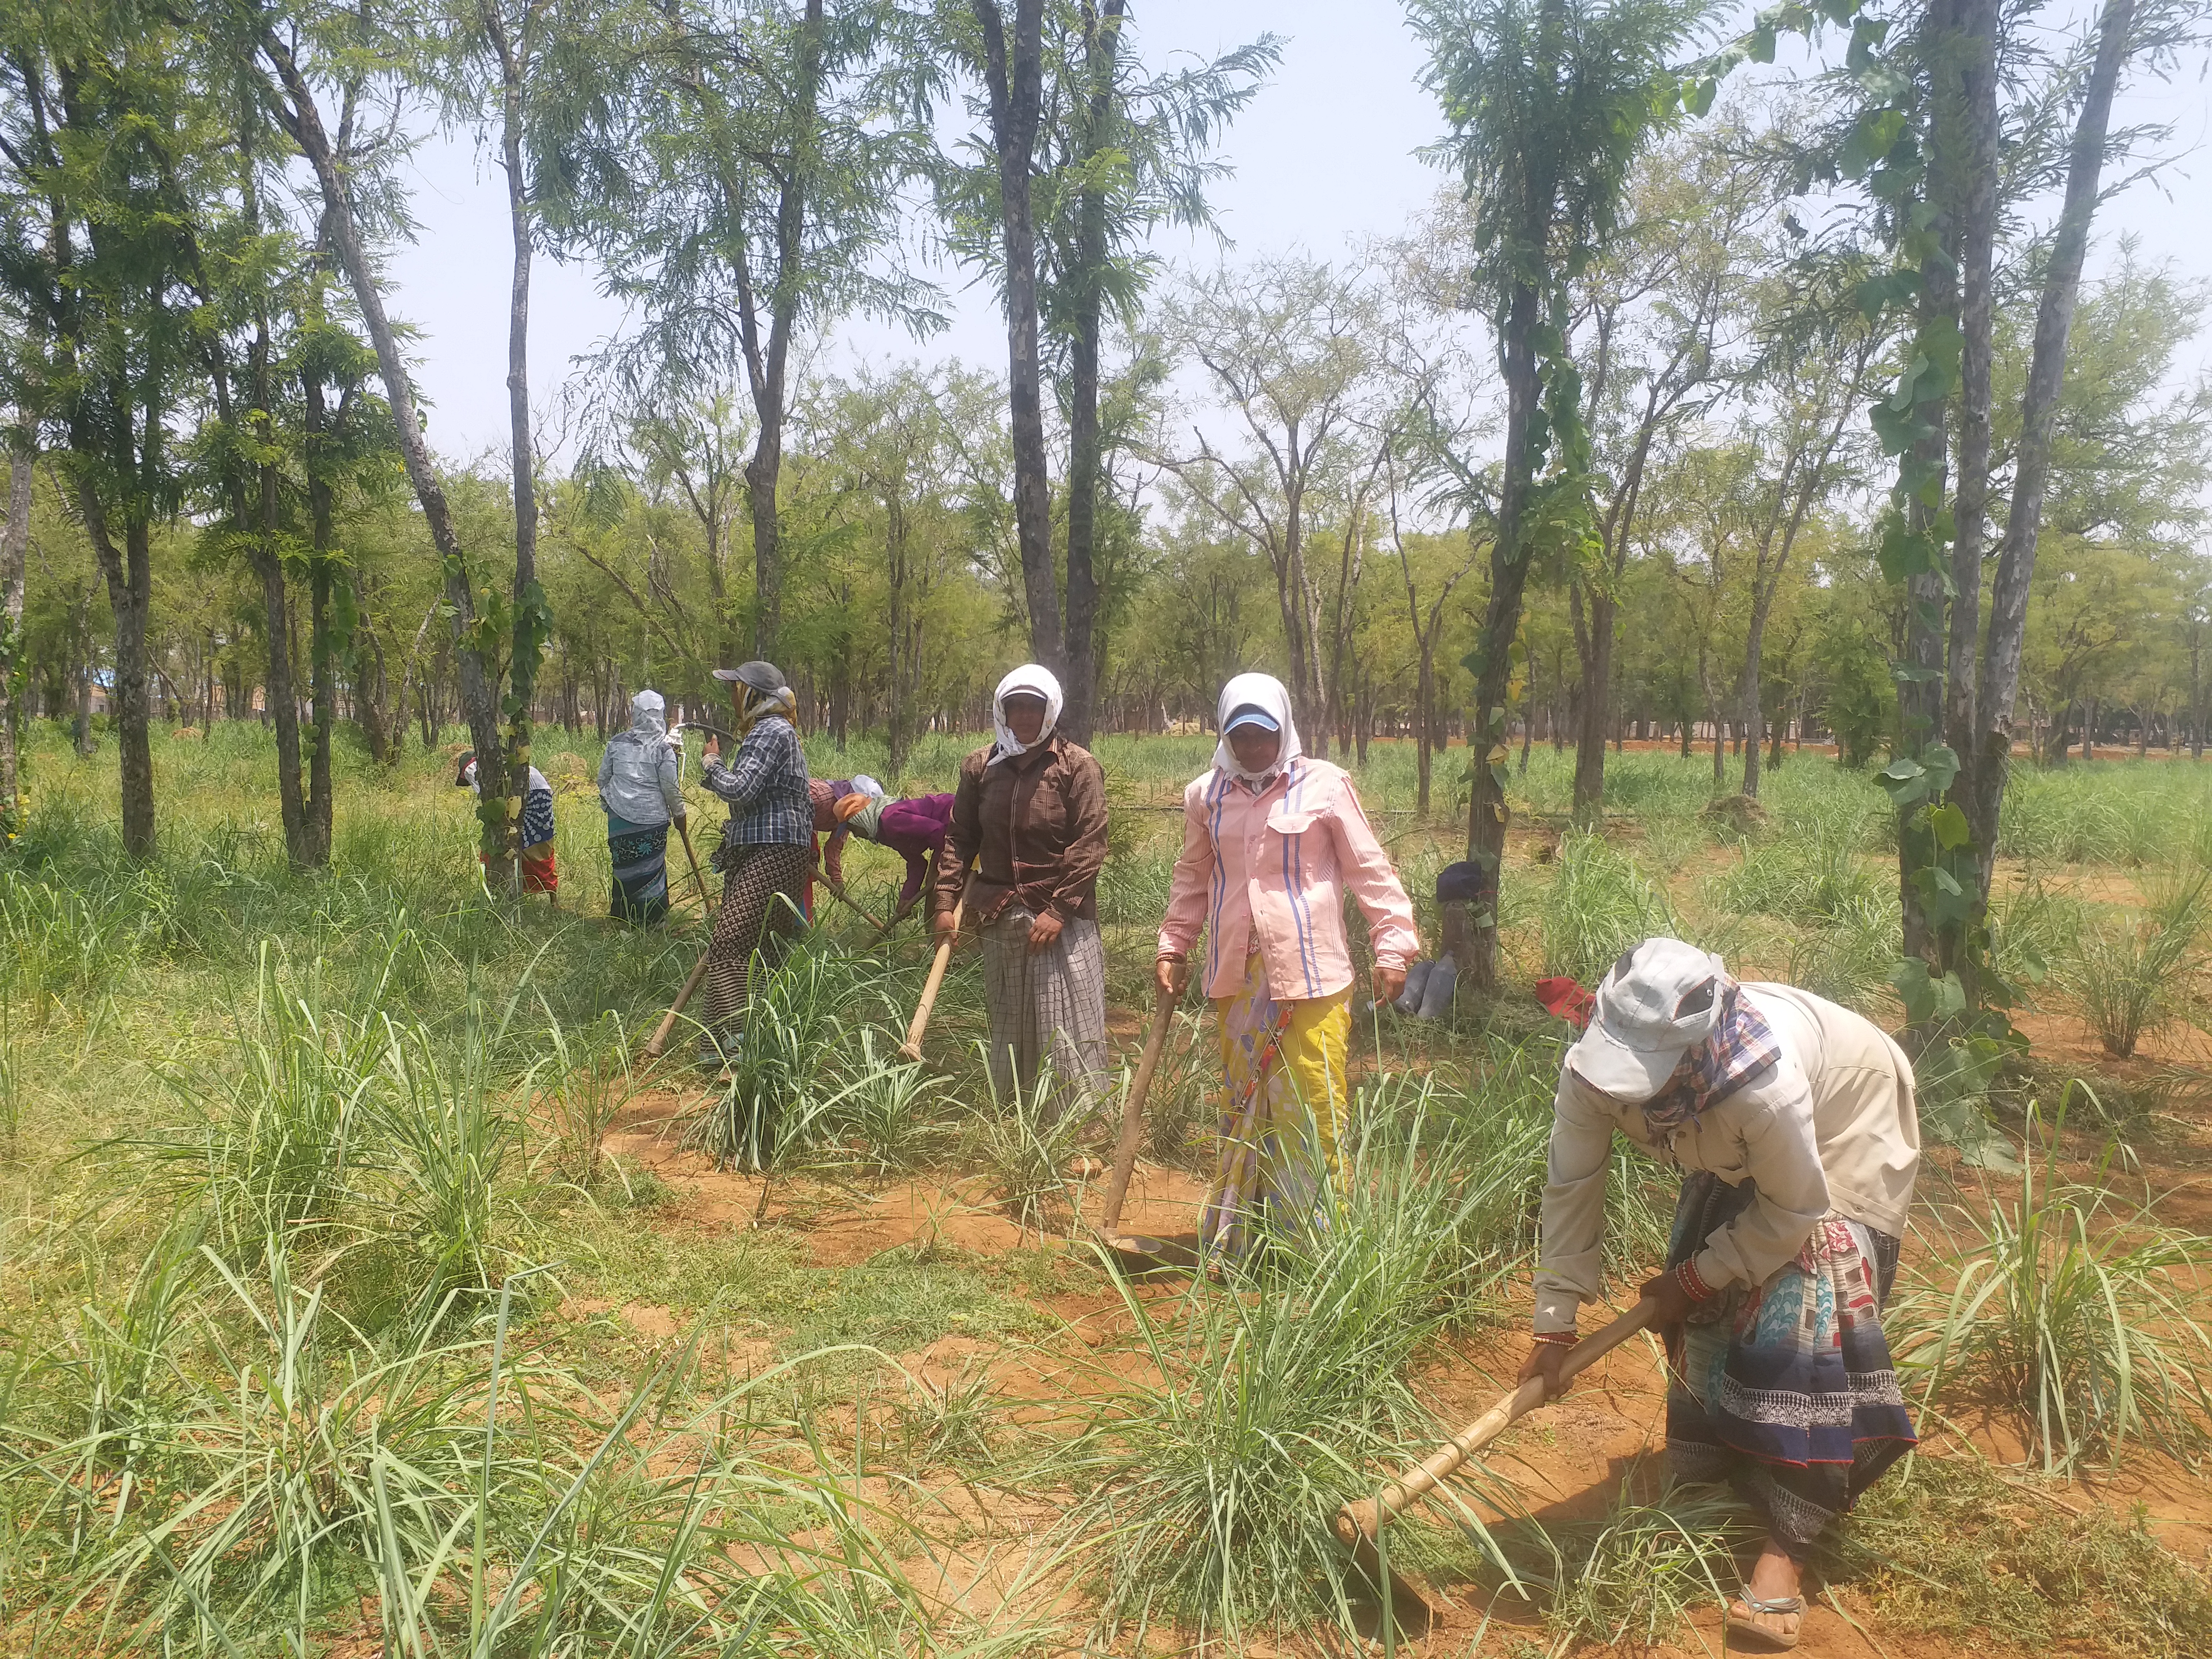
1284 1103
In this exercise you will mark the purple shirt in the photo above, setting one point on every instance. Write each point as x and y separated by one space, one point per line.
916 830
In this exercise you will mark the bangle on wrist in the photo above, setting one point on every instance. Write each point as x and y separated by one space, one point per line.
1562 1339
1692 1284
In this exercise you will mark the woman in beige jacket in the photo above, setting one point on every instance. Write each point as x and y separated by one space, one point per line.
1794 1122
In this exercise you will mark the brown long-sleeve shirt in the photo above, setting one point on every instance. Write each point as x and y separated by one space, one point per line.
1034 826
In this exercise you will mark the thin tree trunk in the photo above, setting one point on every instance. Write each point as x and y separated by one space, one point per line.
1508 576
532 619
1991 756
130 576
1977 231
1015 79
905 676
14 551
479 688
1102 34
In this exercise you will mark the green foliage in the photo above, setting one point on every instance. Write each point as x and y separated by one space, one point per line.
797 1080
279 1471
1625 1579
2131 974
1601 903
1279 1392
1952 1549
2074 1312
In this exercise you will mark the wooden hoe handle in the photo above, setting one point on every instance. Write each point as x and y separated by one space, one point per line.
911 1049
684 830
1133 1118
1359 1521
653 1049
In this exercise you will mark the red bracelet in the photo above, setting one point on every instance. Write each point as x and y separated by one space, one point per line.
1693 1286
1565 1338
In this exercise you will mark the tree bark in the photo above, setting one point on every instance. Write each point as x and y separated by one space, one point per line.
1991 756
1102 34
14 552
1014 75
1977 93
530 615
905 672
479 688
1919 692
1501 621
129 573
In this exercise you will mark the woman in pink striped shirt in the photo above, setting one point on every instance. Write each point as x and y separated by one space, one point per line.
1273 839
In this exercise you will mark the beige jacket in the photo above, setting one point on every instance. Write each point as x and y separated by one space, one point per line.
1832 1128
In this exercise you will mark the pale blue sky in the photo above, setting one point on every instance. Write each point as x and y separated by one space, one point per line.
1324 158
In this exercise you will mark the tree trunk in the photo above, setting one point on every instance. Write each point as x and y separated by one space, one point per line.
905 672
371 689
1989 755
1977 92
130 576
1754 725
1015 79
531 617
1102 34
283 712
1594 643
479 688
1424 698
14 551
1501 622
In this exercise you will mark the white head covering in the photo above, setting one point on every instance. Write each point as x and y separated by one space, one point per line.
1264 692
1038 681
1653 1005
649 716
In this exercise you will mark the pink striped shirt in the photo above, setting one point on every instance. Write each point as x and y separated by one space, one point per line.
1269 871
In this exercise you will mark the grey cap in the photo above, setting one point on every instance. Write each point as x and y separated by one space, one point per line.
763 677
1649 1013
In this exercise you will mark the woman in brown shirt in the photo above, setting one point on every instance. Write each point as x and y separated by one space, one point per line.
1030 814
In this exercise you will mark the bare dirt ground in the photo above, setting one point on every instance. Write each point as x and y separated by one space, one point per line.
1567 1460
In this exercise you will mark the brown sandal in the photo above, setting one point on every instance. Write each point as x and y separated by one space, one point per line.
1776 1606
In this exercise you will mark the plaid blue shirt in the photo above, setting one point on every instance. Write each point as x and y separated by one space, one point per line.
766 788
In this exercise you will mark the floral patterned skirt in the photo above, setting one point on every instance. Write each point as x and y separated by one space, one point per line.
1785 1389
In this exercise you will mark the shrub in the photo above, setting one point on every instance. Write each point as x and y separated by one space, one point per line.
2129 974
1283 1390
2073 1311
1599 904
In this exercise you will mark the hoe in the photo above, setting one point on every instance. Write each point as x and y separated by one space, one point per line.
1359 1525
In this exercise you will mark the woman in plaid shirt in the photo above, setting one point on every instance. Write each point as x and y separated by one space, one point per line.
766 848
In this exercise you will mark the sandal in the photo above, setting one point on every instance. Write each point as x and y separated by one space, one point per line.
1778 1605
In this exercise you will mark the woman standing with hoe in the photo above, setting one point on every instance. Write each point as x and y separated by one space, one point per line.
1795 1122
1271 840
1030 814
766 850
640 788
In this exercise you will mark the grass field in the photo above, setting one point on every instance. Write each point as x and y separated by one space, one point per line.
364 1290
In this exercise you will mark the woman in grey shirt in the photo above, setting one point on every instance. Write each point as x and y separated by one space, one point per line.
639 787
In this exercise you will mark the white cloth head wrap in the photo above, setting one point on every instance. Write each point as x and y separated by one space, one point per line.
1263 691
649 716
1038 681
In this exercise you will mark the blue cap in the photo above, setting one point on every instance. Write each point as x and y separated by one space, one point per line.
1252 715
